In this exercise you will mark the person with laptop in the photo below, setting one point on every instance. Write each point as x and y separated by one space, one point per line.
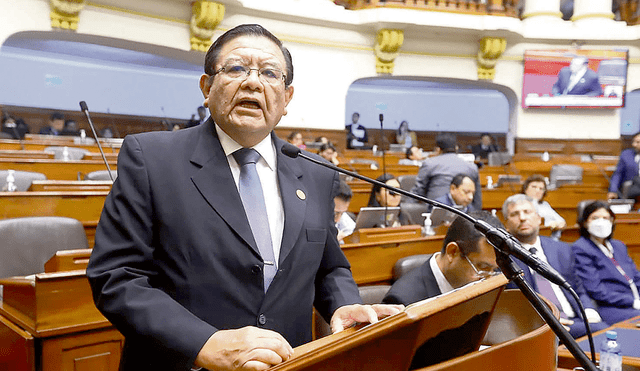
382 197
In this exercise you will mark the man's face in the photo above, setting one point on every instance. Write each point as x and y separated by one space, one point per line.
577 64
355 117
477 265
57 124
463 194
340 207
486 140
523 221
635 143
247 109
416 154
389 198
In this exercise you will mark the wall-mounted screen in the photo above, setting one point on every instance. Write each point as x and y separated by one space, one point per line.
574 78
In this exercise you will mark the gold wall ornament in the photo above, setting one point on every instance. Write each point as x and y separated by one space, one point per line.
204 20
64 13
387 48
491 48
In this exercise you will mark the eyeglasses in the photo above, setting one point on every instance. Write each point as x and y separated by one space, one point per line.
480 273
267 75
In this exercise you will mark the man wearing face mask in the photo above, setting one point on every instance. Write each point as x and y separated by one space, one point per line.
606 269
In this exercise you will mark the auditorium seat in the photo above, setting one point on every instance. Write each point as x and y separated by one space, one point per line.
101 175
23 179
406 264
415 210
498 158
66 153
565 174
372 294
27 243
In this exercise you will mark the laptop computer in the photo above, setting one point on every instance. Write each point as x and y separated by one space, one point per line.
371 217
441 216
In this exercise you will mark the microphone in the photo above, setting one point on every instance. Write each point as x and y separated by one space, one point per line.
498 237
384 163
85 109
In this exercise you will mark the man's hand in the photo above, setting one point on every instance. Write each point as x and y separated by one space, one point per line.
248 348
349 315
612 195
565 322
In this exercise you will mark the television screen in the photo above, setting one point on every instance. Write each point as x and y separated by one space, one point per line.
574 78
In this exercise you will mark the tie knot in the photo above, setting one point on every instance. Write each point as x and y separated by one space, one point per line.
246 156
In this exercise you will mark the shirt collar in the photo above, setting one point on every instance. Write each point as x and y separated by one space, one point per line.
265 148
539 251
441 280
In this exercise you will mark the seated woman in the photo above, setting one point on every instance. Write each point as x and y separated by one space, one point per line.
384 197
604 266
535 187
405 136
329 153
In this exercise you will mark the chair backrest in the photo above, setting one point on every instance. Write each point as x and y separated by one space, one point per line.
565 174
23 179
406 264
28 243
407 181
625 187
370 295
498 158
66 153
101 175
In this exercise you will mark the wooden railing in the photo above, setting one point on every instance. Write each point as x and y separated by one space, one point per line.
490 7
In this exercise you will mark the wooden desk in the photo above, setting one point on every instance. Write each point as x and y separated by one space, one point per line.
566 360
70 186
48 322
6 153
372 262
41 144
53 169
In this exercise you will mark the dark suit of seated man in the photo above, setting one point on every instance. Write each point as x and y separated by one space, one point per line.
577 79
213 247
523 222
466 256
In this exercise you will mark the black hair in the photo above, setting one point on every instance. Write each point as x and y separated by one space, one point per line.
590 209
465 234
326 146
56 116
211 58
446 142
458 179
384 178
344 191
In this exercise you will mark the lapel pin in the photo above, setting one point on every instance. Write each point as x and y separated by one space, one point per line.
301 194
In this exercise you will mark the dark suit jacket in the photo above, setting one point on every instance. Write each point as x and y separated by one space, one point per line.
588 84
480 152
418 284
447 200
626 169
561 257
175 260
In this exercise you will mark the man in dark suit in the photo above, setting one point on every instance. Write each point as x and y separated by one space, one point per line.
466 256
577 79
627 167
460 194
523 222
56 125
179 266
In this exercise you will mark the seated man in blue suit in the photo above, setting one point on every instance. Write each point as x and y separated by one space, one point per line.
577 79
213 247
523 222
460 194
466 256
627 167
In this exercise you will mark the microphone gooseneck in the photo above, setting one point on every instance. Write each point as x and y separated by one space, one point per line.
85 109
384 164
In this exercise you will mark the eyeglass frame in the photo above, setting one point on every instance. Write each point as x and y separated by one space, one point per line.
480 273
248 72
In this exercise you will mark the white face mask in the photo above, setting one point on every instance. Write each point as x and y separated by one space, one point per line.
600 228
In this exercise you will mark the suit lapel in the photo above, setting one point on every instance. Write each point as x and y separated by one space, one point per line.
293 193
215 183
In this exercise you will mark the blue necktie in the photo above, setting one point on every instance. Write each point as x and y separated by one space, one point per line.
254 206
545 289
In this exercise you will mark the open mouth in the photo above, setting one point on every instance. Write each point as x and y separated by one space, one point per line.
249 104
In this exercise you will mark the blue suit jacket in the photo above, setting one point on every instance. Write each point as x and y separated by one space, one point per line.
588 84
175 260
561 257
601 278
447 200
627 169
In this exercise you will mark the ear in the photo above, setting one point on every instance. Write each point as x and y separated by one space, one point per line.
451 250
288 94
205 86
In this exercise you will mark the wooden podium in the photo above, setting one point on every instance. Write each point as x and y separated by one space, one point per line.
48 322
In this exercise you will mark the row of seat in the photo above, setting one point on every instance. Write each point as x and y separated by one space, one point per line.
23 179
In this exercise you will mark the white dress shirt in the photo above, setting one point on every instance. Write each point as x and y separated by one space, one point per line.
267 171
441 280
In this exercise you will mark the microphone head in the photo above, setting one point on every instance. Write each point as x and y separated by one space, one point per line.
290 150
83 106
381 117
